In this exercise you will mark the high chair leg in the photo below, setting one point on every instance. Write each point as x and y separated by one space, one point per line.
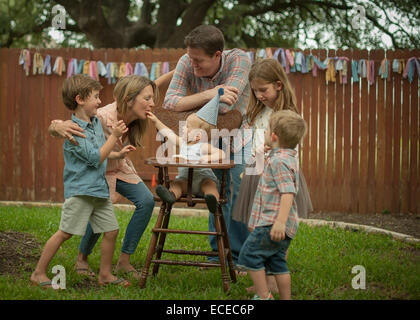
162 238
221 248
152 247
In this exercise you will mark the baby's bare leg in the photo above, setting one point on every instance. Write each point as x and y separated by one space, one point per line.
208 186
211 195
178 187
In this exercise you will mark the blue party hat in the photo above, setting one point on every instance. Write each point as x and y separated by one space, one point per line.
210 110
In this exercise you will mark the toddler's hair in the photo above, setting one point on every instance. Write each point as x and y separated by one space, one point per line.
78 84
289 127
203 125
206 37
271 71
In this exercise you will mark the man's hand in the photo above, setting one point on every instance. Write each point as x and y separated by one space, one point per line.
278 231
230 95
66 129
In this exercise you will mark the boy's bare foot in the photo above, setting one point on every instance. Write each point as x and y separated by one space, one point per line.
272 286
40 280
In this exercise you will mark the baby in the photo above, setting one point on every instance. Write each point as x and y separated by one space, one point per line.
194 147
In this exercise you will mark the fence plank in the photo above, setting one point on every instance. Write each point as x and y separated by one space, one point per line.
380 146
347 119
338 172
322 190
405 142
313 177
397 140
364 134
373 56
389 131
414 141
6 181
355 147
331 194
306 109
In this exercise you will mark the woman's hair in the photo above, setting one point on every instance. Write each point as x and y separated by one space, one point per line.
270 70
126 90
81 85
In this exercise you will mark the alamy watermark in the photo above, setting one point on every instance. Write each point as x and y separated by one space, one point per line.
359 280
359 19
59 281
59 20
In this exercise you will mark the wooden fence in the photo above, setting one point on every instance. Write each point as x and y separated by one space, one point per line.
361 153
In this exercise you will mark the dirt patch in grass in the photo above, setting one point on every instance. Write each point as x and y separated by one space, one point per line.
18 252
406 223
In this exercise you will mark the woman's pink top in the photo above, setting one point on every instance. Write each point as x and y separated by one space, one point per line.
122 169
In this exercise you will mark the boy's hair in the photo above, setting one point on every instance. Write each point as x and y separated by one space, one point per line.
270 70
78 84
289 127
206 37
126 90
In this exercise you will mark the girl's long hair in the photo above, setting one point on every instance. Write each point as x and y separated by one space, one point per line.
126 90
270 70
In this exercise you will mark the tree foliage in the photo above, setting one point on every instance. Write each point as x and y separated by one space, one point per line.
245 23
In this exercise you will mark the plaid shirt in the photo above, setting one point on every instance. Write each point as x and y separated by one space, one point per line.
234 69
280 176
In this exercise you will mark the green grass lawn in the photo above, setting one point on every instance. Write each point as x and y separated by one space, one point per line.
320 259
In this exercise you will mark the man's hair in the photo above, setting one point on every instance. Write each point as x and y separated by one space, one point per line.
206 37
78 84
289 127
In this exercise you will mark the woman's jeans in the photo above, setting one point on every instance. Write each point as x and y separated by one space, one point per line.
142 198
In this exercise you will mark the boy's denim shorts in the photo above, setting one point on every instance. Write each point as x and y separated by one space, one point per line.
259 252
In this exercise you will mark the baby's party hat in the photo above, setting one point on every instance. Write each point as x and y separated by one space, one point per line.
210 110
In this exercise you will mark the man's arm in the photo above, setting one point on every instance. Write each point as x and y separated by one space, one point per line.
239 66
177 98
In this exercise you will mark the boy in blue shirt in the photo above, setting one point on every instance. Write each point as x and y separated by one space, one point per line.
85 188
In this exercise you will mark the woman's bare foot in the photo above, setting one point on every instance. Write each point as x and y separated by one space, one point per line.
82 266
125 266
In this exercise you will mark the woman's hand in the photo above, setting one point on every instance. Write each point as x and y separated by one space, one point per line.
66 129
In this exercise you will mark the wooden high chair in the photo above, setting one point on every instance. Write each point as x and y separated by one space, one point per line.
230 120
